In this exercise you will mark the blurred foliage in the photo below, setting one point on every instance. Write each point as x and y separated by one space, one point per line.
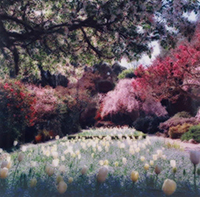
55 33
178 130
182 114
149 124
193 133
178 119
17 111
128 73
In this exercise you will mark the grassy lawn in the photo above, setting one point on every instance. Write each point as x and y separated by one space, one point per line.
77 163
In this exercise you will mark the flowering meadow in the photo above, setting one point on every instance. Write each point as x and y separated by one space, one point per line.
93 167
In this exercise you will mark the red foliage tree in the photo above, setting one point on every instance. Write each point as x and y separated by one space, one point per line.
175 75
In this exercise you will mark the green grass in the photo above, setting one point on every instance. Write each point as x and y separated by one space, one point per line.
93 153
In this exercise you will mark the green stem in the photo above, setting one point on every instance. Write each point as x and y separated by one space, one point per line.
15 172
195 185
97 188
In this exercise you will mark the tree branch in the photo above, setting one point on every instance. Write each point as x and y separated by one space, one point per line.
99 53
4 16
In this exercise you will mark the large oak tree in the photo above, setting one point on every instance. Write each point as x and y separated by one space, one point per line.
52 33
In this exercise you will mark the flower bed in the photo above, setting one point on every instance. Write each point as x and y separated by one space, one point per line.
93 167
117 133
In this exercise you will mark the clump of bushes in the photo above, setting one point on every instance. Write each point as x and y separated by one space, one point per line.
177 119
128 73
17 112
28 109
149 124
177 131
193 133
182 114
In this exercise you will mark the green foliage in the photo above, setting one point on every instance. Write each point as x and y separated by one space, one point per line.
193 133
85 32
182 114
128 73
178 130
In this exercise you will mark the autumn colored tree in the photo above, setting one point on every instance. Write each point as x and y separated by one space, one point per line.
53 33
175 75
126 99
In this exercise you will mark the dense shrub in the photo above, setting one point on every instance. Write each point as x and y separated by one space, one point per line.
17 111
174 75
57 110
183 114
88 82
149 124
128 73
27 110
177 120
193 133
177 131
125 99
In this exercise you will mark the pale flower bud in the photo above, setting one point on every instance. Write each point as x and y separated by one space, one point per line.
151 162
173 163
20 157
84 170
57 137
49 170
3 173
142 158
124 160
146 166
62 187
33 182
159 153
106 162
134 176
137 150
195 157
169 187
55 162
70 180
55 154
15 143
23 148
102 174
101 162
116 164
155 157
